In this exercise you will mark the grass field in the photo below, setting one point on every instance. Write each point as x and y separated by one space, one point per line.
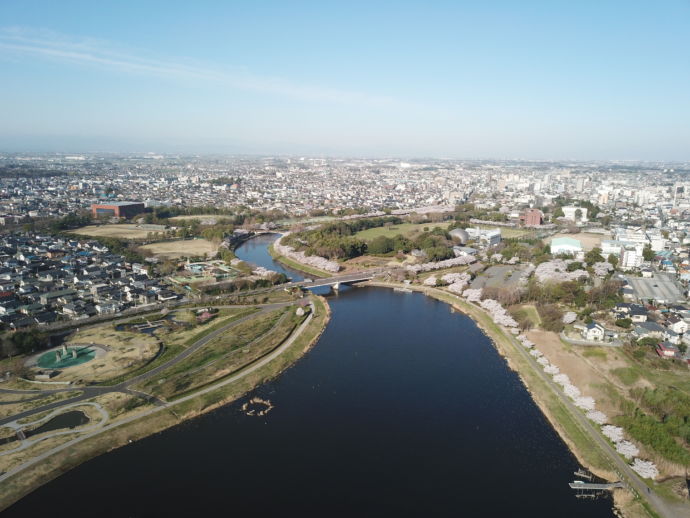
200 217
406 229
182 248
124 231
128 432
410 229
508 232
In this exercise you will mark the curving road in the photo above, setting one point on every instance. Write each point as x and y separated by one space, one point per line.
90 392
168 405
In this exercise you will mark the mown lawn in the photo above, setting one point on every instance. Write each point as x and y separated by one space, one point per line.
406 229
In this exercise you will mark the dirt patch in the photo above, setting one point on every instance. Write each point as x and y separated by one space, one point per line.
124 231
587 239
182 248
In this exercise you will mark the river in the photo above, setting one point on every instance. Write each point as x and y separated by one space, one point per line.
403 408
255 251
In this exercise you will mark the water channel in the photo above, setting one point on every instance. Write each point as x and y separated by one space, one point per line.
403 408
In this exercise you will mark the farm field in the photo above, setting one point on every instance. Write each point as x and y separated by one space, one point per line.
406 229
587 239
124 231
182 248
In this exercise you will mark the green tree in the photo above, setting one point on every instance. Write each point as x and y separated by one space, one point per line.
575 265
625 323
648 254
594 256
380 245
613 260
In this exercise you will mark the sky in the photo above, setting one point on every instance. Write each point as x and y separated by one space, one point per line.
585 80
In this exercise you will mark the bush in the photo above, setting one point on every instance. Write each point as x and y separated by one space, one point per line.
522 318
625 323
575 265
551 317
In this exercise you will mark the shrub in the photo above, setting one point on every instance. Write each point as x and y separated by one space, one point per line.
551 317
624 323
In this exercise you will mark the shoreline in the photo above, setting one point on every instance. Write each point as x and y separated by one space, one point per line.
510 361
291 263
580 444
159 419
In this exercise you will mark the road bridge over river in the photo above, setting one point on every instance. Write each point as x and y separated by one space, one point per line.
337 280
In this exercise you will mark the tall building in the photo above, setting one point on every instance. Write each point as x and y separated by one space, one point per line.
630 258
532 217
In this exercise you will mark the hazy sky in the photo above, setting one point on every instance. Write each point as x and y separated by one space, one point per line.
571 80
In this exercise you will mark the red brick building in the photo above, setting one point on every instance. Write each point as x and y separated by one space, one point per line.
532 217
120 209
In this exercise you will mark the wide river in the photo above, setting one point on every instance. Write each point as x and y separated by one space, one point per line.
403 408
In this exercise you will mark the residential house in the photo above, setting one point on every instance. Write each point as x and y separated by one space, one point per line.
594 332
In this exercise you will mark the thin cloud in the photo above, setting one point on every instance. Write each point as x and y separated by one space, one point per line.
99 53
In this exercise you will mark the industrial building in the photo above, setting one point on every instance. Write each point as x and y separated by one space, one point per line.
120 209
566 245
660 289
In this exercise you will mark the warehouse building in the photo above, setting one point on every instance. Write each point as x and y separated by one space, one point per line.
120 209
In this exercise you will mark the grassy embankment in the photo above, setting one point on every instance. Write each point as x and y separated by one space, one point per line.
26 481
579 442
174 342
577 439
297 266
224 355
10 409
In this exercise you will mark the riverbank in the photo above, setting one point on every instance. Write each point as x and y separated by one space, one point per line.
125 430
290 263
569 426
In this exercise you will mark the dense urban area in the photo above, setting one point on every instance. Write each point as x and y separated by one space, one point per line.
578 271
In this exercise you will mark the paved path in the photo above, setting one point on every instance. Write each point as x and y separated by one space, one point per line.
633 480
662 507
93 391
26 443
168 405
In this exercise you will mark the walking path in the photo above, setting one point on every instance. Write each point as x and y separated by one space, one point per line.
26 443
632 479
169 405
93 391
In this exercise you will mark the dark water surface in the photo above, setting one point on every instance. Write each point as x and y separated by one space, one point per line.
402 409
255 251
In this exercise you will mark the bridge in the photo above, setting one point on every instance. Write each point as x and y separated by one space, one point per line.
337 280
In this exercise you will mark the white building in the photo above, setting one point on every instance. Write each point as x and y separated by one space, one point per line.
485 236
565 245
594 332
577 214
630 258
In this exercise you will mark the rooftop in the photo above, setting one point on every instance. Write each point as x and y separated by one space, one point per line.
661 288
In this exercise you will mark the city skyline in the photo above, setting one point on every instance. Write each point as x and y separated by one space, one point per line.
533 81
